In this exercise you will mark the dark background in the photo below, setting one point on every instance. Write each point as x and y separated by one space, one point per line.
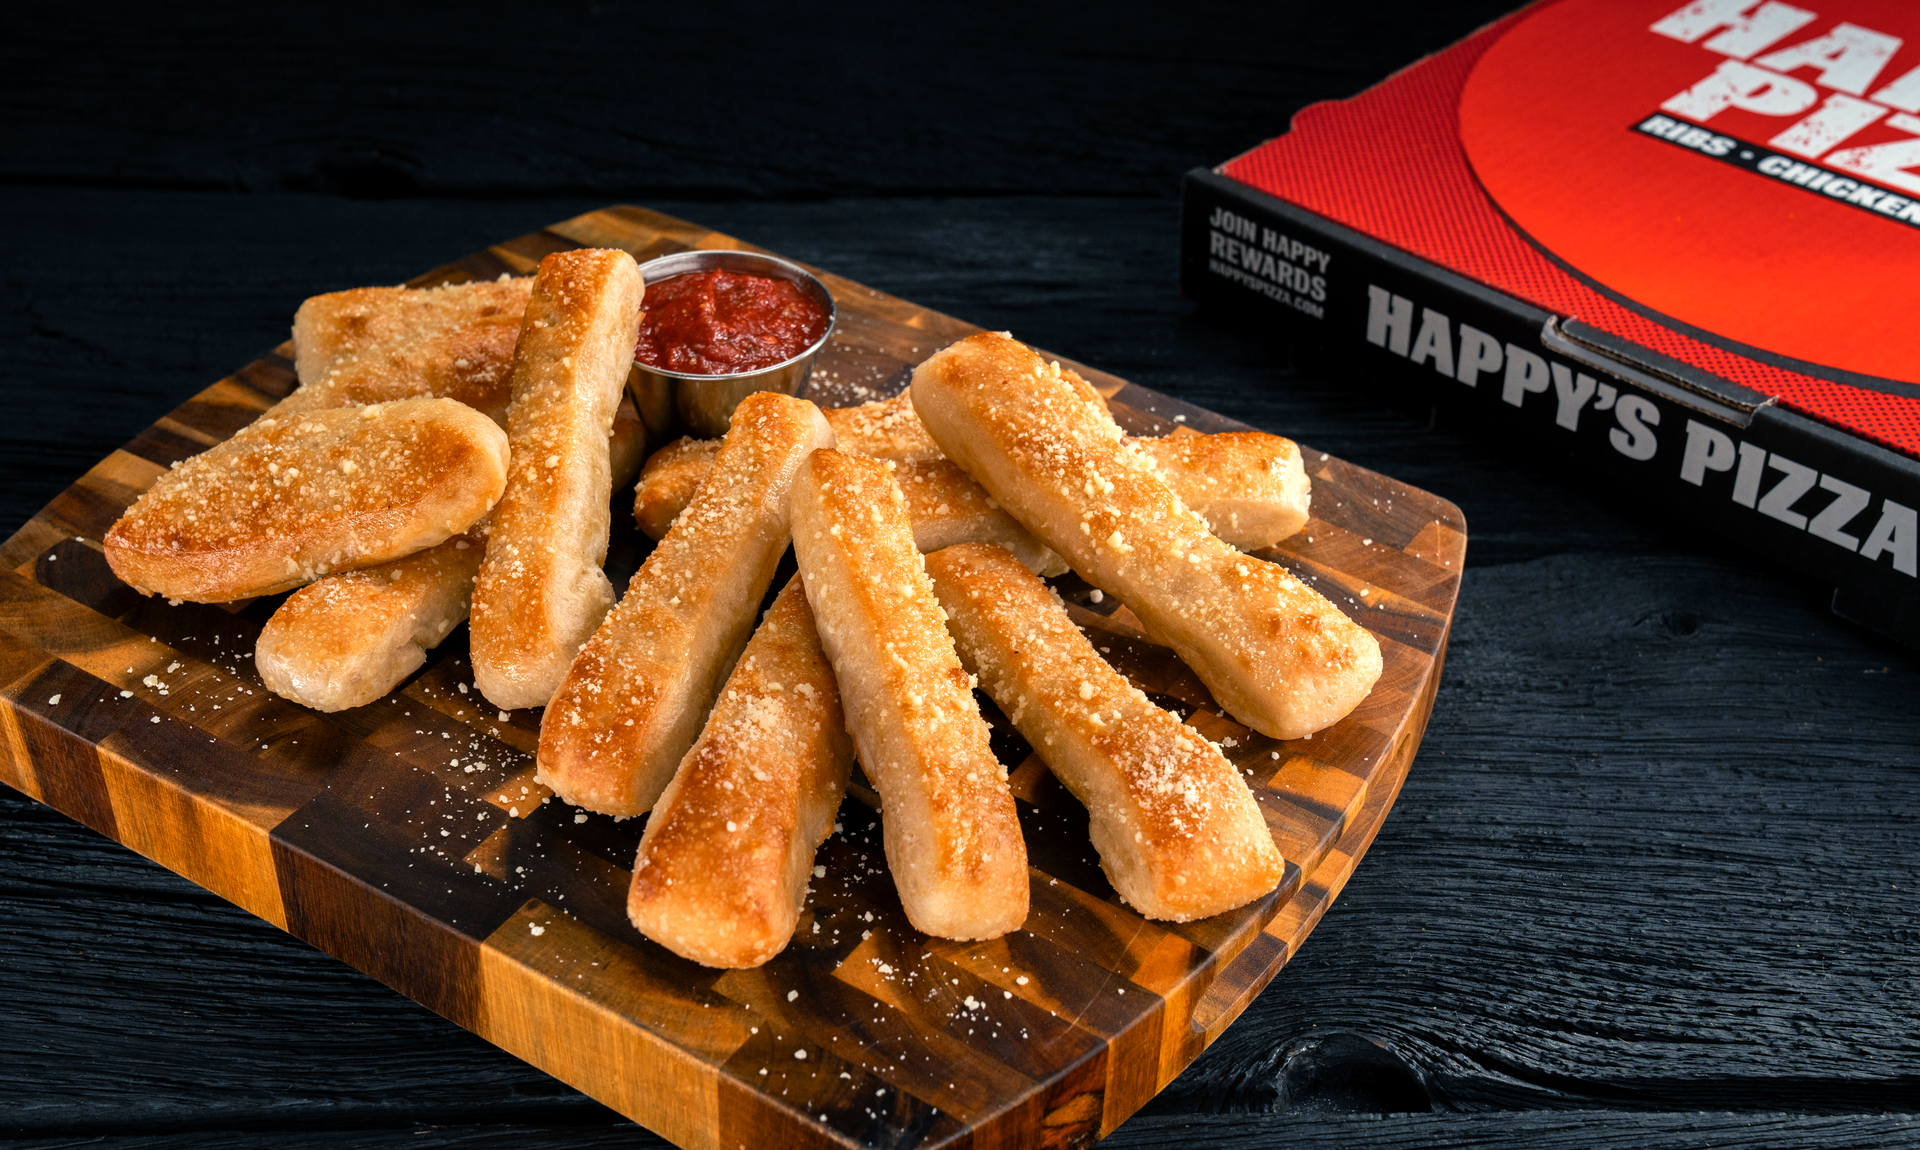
1651 882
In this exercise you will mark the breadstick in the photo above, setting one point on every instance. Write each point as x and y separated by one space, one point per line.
626 445
1250 487
883 429
1178 832
348 639
286 501
633 700
540 591
723 867
471 361
668 482
952 837
328 329
947 507
889 429
1273 651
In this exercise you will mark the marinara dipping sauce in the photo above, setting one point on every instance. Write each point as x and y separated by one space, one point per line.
722 323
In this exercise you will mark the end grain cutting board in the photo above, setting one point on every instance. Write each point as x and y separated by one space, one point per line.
407 837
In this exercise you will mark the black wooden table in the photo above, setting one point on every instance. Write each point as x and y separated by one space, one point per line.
1652 881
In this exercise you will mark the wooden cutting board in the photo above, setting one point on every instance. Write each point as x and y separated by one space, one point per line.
408 838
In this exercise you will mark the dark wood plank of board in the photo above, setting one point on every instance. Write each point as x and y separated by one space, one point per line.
408 838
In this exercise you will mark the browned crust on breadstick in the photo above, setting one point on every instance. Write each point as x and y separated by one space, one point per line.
1250 487
348 639
286 501
633 700
328 329
883 429
626 446
470 361
946 507
668 482
889 429
952 836
722 869
1178 832
541 591
1273 651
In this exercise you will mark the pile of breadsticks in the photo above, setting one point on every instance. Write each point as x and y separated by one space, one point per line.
455 450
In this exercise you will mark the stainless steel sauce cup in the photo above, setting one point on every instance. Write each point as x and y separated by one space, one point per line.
705 403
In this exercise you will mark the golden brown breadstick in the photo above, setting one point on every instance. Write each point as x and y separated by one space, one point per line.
668 482
947 507
328 329
471 361
1178 832
1273 651
1249 486
883 429
1087 391
952 836
889 429
348 639
286 501
540 591
626 445
723 866
634 698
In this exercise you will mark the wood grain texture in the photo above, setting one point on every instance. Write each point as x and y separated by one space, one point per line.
407 838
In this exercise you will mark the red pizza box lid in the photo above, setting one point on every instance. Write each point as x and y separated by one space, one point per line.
1734 184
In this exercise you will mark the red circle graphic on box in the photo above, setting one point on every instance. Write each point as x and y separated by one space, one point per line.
1556 120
